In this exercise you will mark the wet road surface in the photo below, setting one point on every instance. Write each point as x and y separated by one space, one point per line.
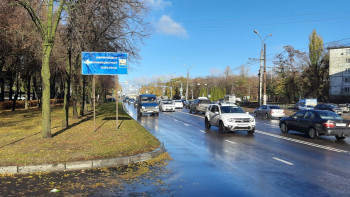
207 163
267 163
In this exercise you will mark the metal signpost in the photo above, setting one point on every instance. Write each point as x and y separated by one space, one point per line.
104 63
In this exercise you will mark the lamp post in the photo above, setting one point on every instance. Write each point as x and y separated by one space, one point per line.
188 71
206 88
262 78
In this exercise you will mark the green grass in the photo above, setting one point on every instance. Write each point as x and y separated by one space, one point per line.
21 141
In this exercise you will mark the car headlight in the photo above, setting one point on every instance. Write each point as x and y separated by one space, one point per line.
230 119
143 107
157 107
252 120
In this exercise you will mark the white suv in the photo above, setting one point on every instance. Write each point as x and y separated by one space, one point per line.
229 117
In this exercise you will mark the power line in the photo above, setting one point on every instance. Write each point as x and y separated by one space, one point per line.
305 48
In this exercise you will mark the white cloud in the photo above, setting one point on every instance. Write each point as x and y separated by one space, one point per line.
158 4
216 71
168 26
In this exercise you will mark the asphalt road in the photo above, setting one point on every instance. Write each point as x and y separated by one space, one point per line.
268 163
207 163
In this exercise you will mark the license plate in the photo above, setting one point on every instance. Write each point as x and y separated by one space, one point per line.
340 124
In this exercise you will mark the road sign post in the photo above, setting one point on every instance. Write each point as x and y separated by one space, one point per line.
104 63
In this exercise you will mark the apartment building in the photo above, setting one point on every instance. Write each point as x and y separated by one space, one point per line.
339 72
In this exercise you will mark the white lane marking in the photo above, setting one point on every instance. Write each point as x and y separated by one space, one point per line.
302 142
283 161
192 114
187 125
202 131
175 120
230 141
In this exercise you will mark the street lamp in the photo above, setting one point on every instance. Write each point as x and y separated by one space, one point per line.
188 71
262 78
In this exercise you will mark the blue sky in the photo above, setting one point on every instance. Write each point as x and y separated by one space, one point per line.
209 35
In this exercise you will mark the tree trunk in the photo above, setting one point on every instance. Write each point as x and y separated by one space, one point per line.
82 108
45 98
75 87
28 92
65 123
16 94
2 93
11 85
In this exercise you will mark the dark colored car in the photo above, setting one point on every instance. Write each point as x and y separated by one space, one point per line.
131 101
316 122
329 107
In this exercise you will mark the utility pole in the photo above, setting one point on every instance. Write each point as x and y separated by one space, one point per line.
264 75
188 74
260 76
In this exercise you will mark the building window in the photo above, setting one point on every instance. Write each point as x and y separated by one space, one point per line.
347 90
347 70
347 80
348 60
347 51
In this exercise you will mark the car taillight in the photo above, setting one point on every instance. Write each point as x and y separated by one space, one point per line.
271 111
283 112
328 124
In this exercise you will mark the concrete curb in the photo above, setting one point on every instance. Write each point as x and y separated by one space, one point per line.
79 165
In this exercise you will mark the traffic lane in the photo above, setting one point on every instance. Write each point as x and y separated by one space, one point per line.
263 143
252 156
302 141
272 126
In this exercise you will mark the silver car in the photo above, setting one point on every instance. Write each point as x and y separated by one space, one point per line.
269 111
199 105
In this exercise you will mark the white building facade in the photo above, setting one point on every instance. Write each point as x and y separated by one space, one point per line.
339 71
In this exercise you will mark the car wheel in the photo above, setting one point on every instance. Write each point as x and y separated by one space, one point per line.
339 137
284 128
195 111
207 123
190 111
157 114
312 133
266 116
251 131
222 127
256 115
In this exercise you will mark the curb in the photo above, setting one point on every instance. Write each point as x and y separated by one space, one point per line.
87 164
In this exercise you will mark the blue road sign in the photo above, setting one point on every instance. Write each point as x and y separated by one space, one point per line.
103 63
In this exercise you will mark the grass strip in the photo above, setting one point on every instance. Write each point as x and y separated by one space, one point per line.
21 142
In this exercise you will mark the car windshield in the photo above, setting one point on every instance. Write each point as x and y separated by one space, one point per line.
167 102
178 101
331 106
205 101
329 115
148 99
231 109
274 107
